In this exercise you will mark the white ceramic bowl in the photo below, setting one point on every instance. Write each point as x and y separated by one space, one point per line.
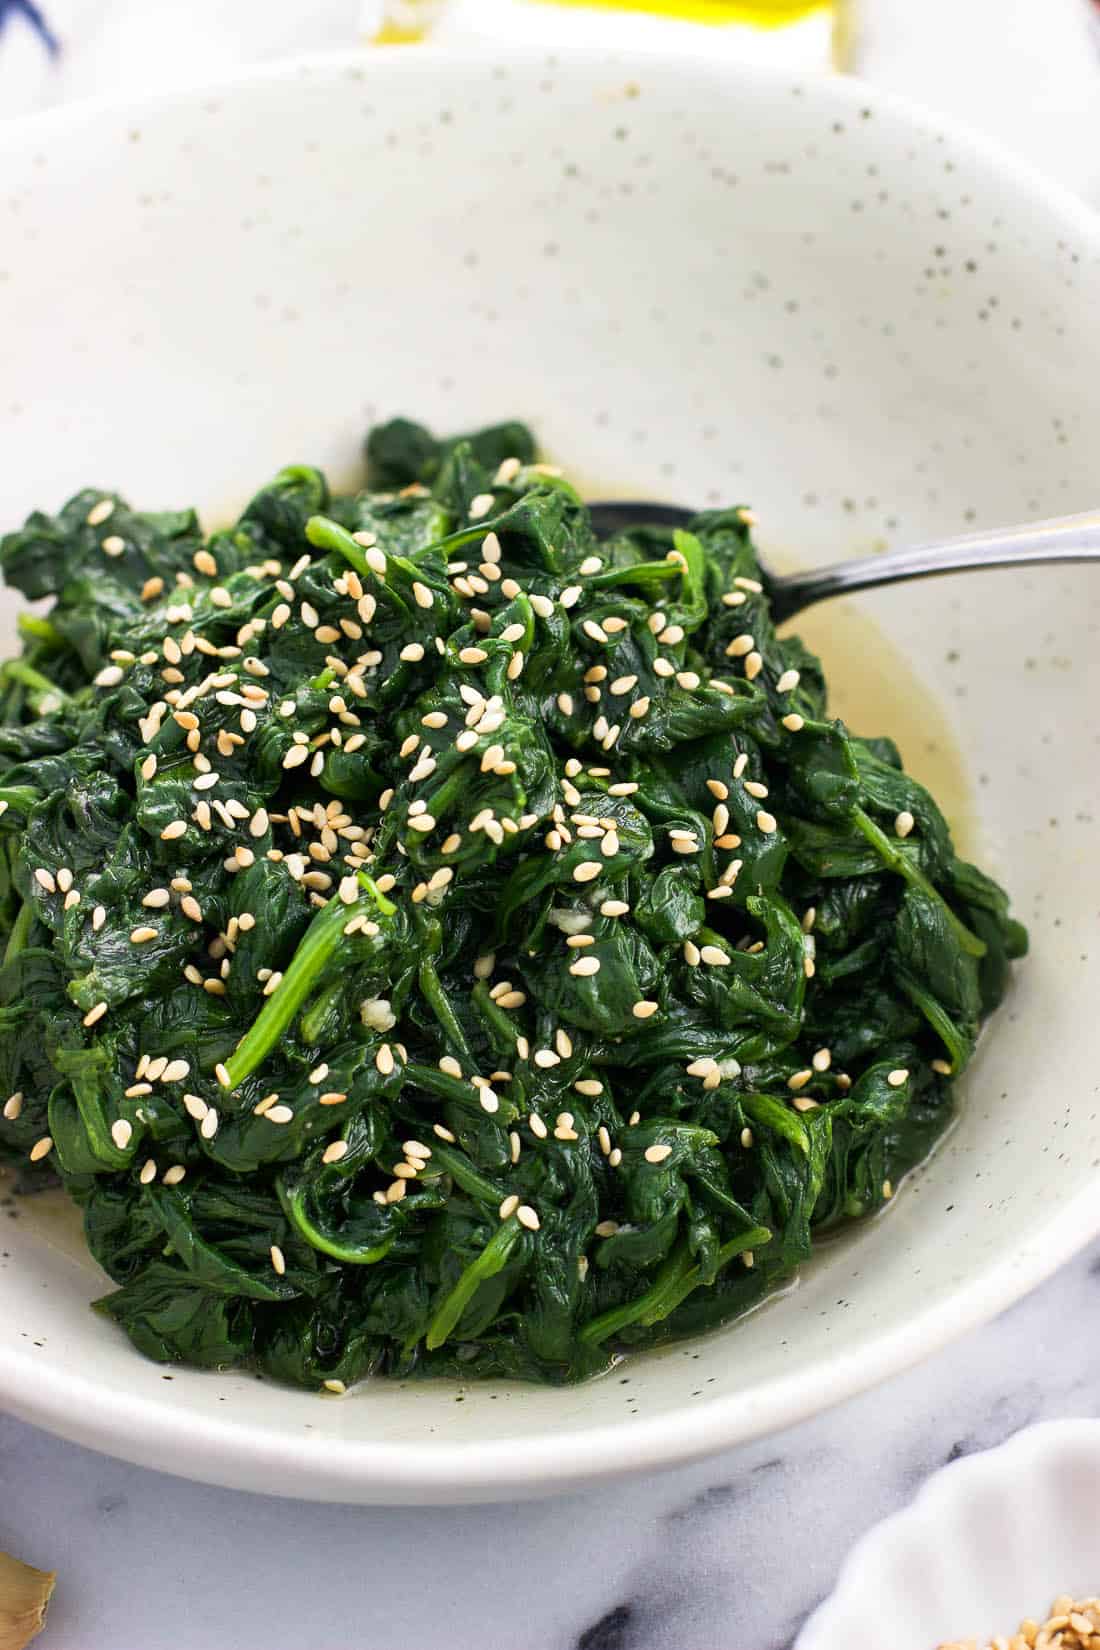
989 1540
699 282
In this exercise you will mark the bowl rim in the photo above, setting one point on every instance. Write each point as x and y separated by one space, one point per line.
969 1479
242 1454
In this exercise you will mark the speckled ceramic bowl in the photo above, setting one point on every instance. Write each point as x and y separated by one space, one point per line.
699 282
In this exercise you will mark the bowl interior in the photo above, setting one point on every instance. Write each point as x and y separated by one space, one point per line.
697 283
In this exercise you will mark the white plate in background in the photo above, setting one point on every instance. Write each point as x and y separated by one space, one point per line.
988 1541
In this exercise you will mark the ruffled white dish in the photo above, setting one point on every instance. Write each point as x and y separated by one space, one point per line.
989 1540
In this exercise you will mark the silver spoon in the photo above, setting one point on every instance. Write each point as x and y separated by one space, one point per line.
1065 539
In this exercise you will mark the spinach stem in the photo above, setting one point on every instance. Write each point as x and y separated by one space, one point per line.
327 534
19 796
39 629
315 951
673 1284
17 671
901 862
20 929
463 1173
293 1200
431 989
491 1260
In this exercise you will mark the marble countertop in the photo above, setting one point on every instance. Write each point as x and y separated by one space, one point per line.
731 1554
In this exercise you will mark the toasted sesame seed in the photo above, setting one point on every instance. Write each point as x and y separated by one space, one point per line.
546 1057
157 898
794 723
897 1077
173 1175
537 1126
644 1010
714 956
509 1207
754 664
148 1171
13 1106
904 823
943 1067
657 1154
765 822
41 1149
822 1060
279 1114
333 1385
799 1079
527 1217
122 1132
887 1189
177 828
99 512
585 966
692 954
141 936
384 1060
95 1014
175 1071
587 871
756 789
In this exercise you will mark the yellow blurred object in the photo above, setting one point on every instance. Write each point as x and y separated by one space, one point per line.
799 33
405 22
766 14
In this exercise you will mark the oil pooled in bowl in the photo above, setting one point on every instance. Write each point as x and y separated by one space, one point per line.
875 690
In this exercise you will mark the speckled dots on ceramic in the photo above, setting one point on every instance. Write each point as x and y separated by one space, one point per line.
700 282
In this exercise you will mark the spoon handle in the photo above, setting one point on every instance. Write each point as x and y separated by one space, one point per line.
1065 539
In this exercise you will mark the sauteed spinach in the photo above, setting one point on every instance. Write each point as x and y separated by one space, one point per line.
440 943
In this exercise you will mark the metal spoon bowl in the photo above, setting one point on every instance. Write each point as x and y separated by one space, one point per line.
1063 539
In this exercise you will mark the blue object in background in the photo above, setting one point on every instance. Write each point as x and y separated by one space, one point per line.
34 16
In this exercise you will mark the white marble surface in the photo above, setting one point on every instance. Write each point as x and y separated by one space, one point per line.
728 1555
